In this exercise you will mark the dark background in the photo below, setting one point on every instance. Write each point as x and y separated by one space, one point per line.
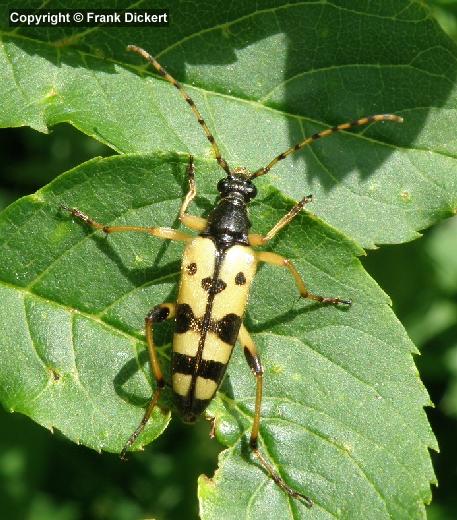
43 476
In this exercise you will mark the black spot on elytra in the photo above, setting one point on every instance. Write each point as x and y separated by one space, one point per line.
228 327
240 279
185 319
207 368
182 364
210 369
191 268
215 287
190 408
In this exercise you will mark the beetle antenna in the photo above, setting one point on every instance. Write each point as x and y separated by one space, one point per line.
325 133
144 54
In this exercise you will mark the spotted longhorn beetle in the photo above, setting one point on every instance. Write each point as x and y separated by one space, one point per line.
218 268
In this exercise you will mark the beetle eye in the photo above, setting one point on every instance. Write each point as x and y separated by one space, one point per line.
250 192
222 186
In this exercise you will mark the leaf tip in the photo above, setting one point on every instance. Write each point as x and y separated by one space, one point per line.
206 486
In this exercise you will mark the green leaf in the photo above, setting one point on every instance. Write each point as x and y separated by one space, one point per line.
445 12
342 417
54 289
264 77
449 403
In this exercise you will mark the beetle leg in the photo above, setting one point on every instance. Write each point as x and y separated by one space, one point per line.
260 240
160 232
253 360
165 311
191 221
275 259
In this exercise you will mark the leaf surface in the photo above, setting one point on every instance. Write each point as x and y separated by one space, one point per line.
342 417
264 77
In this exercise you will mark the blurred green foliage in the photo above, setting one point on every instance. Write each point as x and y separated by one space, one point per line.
445 11
421 278
46 477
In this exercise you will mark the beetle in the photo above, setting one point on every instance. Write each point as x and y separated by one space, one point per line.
218 267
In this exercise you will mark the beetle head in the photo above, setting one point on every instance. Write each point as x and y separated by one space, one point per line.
237 184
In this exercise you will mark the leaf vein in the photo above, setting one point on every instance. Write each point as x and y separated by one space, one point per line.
325 439
338 68
88 235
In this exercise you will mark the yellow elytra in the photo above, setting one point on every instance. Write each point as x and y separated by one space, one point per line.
212 298
217 271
